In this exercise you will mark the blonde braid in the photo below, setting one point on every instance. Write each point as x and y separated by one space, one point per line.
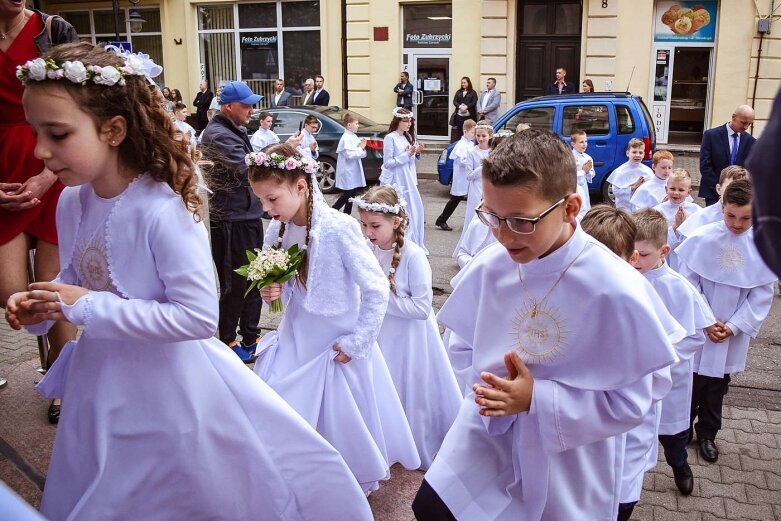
303 271
397 253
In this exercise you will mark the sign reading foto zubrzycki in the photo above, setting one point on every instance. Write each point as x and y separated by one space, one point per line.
427 40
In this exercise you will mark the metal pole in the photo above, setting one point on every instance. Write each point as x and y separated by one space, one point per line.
116 19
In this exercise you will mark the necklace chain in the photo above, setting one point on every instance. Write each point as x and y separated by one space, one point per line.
537 304
4 35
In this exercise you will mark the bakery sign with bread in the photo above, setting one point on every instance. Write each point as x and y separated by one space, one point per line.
693 22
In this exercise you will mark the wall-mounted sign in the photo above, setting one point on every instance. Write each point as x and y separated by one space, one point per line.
427 40
427 26
685 21
258 41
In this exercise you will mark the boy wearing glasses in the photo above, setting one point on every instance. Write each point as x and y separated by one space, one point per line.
554 387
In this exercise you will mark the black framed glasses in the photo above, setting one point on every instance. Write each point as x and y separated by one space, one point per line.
519 225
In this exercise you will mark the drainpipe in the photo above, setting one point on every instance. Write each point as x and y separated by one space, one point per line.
759 55
345 97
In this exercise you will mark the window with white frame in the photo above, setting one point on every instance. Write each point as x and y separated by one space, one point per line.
97 26
259 42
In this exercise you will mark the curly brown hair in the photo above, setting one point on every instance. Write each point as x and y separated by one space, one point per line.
152 144
387 195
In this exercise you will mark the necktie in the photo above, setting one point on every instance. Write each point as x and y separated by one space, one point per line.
734 154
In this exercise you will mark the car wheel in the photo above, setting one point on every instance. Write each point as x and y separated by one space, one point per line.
326 178
607 193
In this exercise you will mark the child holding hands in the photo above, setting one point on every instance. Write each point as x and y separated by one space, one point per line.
628 177
584 166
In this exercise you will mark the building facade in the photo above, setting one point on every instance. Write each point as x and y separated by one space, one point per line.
692 61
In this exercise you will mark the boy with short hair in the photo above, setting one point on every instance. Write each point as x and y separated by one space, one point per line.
651 193
721 260
614 228
180 122
689 308
628 177
584 166
543 440
676 209
713 213
459 186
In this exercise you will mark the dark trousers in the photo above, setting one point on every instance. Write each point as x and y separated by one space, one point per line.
459 127
450 207
675 448
344 200
625 511
230 241
428 506
711 200
707 398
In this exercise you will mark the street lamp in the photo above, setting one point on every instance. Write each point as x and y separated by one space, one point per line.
134 19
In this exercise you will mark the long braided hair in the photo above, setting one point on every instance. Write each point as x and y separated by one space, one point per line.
258 173
387 195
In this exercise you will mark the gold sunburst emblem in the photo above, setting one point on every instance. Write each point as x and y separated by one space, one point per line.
93 269
540 336
730 259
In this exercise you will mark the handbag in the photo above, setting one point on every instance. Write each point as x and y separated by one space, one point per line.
452 121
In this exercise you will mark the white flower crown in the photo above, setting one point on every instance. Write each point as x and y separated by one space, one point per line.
395 209
504 133
397 113
484 126
275 160
41 69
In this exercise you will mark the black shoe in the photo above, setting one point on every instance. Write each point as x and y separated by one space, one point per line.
684 479
53 413
444 225
708 450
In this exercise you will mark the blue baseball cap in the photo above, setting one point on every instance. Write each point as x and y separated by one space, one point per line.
238 91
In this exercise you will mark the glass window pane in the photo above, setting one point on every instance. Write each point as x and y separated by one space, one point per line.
626 124
300 14
258 15
302 59
288 122
568 19
215 17
217 53
79 20
428 26
535 19
104 22
151 20
592 119
541 117
153 46
259 56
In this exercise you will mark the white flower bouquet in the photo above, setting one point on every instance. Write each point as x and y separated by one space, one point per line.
271 265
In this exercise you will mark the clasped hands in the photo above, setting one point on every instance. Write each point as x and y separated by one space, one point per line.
42 302
718 332
16 197
507 395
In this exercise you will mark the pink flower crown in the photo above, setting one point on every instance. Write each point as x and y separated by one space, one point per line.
41 69
275 160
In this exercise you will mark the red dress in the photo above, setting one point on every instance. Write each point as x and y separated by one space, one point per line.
17 143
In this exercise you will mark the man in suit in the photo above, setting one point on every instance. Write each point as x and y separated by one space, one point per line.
403 91
321 96
488 103
309 92
561 85
723 146
202 101
281 97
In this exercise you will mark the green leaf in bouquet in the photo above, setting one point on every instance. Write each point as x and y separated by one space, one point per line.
251 286
242 271
287 276
251 255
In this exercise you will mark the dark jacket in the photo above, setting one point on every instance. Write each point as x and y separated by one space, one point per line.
469 99
225 145
285 100
62 32
569 88
763 165
404 99
714 157
322 99
202 101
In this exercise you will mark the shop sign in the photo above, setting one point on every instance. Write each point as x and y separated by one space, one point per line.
685 21
429 40
258 41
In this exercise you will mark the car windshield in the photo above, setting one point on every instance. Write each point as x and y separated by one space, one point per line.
337 116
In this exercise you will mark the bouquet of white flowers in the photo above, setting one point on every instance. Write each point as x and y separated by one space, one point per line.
271 265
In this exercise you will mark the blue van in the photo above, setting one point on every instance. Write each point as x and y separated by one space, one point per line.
610 119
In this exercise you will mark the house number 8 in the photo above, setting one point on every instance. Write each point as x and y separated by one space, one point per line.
604 4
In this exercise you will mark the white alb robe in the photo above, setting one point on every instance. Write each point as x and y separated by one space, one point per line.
476 237
459 185
738 286
263 138
354 405
563 457
674 237
411 345
622 179
398 168
475 196
162 420
709 214
305 147
581 158
349 169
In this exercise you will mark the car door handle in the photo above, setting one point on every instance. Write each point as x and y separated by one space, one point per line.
600 142
599 163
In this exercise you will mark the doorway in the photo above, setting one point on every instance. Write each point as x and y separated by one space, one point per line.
548 38
689 94
430 75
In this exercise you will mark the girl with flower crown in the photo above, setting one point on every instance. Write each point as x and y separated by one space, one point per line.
409 337
159 419
399 153
324 359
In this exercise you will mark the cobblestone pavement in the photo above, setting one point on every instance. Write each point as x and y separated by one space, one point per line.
745 483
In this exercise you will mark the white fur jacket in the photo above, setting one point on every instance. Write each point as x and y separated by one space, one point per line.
343 276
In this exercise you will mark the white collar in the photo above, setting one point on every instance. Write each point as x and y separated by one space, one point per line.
730 132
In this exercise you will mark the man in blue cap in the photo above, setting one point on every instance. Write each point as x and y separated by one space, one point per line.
235 216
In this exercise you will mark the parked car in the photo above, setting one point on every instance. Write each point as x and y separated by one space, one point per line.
289 120
609 119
